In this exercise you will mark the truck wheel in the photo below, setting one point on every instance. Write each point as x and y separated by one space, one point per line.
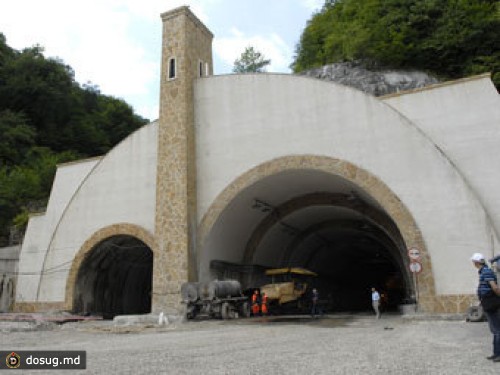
191 312
475 314
224 310
245 310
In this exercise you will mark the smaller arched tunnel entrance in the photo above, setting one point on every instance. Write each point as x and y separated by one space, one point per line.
115 278
318 221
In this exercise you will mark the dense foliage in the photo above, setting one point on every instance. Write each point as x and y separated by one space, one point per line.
449 38
46 118
251 61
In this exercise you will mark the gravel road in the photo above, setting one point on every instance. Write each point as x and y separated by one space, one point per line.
293 345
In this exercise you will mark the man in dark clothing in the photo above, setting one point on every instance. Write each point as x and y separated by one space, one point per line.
487 285
314 300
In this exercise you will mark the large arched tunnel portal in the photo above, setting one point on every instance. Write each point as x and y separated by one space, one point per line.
314 220
115 278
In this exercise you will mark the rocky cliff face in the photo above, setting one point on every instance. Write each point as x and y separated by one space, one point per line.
377 83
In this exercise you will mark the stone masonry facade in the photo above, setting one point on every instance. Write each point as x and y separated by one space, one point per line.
186 56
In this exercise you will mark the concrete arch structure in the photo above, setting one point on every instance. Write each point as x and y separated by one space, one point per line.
321 154
97 238
93 196
340 226
318 199
388 201
364 140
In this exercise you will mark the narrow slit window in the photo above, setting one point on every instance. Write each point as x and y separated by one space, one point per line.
171 68
201 69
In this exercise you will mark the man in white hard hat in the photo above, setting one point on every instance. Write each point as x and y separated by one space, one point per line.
487 286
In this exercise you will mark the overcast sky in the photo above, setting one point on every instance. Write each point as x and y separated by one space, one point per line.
115 44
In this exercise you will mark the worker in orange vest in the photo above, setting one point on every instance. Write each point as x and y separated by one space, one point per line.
263 306
255 303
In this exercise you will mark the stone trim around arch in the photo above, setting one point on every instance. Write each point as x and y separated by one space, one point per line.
397 211
102 234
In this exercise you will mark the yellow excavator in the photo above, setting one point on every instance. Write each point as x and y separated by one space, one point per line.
287 291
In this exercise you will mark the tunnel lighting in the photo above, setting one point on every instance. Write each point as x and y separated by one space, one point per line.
256 204
262 206
352 196
288 229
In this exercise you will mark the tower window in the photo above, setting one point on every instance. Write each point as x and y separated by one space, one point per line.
171 68
201 69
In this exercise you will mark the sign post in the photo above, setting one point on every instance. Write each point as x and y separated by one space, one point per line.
414 254
415 268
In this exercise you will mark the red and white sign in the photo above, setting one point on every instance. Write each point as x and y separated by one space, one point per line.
415 267
414 254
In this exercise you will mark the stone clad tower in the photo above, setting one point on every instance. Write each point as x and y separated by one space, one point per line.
186 56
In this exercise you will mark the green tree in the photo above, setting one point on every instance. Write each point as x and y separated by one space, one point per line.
450 38
5 51
17 137
46 118
41 89
251 61
24 188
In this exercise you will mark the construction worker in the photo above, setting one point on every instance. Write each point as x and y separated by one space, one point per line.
263 306
255 303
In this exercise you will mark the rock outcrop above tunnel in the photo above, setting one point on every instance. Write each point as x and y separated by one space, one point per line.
373 82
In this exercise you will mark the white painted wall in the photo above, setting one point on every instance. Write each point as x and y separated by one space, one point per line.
40 228
463 119
121 188
245 120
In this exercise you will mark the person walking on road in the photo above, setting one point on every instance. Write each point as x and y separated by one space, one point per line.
314 301
488 286
376 302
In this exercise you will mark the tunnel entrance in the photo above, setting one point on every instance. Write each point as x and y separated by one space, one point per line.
317 221
115 278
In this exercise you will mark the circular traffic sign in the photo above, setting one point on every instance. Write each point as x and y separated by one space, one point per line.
414 253
415 267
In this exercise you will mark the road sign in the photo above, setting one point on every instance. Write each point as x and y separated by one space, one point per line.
414 254
415 267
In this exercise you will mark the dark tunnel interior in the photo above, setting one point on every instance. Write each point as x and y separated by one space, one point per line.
349 266
115 279
319 222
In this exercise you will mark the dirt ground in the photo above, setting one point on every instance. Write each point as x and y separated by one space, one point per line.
271 345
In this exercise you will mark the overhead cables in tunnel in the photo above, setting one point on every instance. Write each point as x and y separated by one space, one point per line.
115 255
52 249
267 207
47 271
73 247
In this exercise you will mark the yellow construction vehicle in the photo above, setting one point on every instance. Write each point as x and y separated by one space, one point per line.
288 289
